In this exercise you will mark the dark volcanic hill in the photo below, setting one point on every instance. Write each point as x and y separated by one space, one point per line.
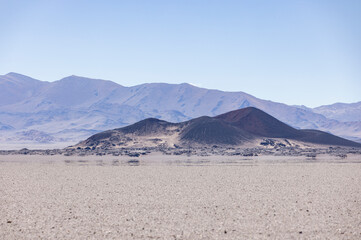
238 127
208 130
259 123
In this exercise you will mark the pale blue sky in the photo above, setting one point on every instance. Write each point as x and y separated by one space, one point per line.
297 52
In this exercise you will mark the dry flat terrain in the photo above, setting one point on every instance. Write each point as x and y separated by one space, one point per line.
165 197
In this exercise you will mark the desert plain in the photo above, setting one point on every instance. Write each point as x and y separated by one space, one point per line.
178 197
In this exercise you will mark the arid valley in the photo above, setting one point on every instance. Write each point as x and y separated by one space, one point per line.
239 175
161 196
184 120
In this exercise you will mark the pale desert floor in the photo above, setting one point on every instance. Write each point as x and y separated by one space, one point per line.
166 197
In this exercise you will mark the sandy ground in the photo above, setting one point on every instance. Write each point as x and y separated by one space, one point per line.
56 197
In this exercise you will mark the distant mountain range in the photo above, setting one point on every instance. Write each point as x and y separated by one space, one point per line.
75 108
344 112
244 126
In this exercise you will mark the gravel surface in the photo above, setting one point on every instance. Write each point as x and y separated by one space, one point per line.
95 199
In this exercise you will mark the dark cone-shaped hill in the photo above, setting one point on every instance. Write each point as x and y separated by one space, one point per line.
208 130
232 128
257 122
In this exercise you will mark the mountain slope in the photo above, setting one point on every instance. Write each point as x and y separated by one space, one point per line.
70 92
344 112
76 107
15 88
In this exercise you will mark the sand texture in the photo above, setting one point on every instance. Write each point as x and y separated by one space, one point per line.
57 197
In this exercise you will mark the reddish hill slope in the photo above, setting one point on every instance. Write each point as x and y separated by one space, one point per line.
259 123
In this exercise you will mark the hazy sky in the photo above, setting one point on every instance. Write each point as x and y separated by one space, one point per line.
296 52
